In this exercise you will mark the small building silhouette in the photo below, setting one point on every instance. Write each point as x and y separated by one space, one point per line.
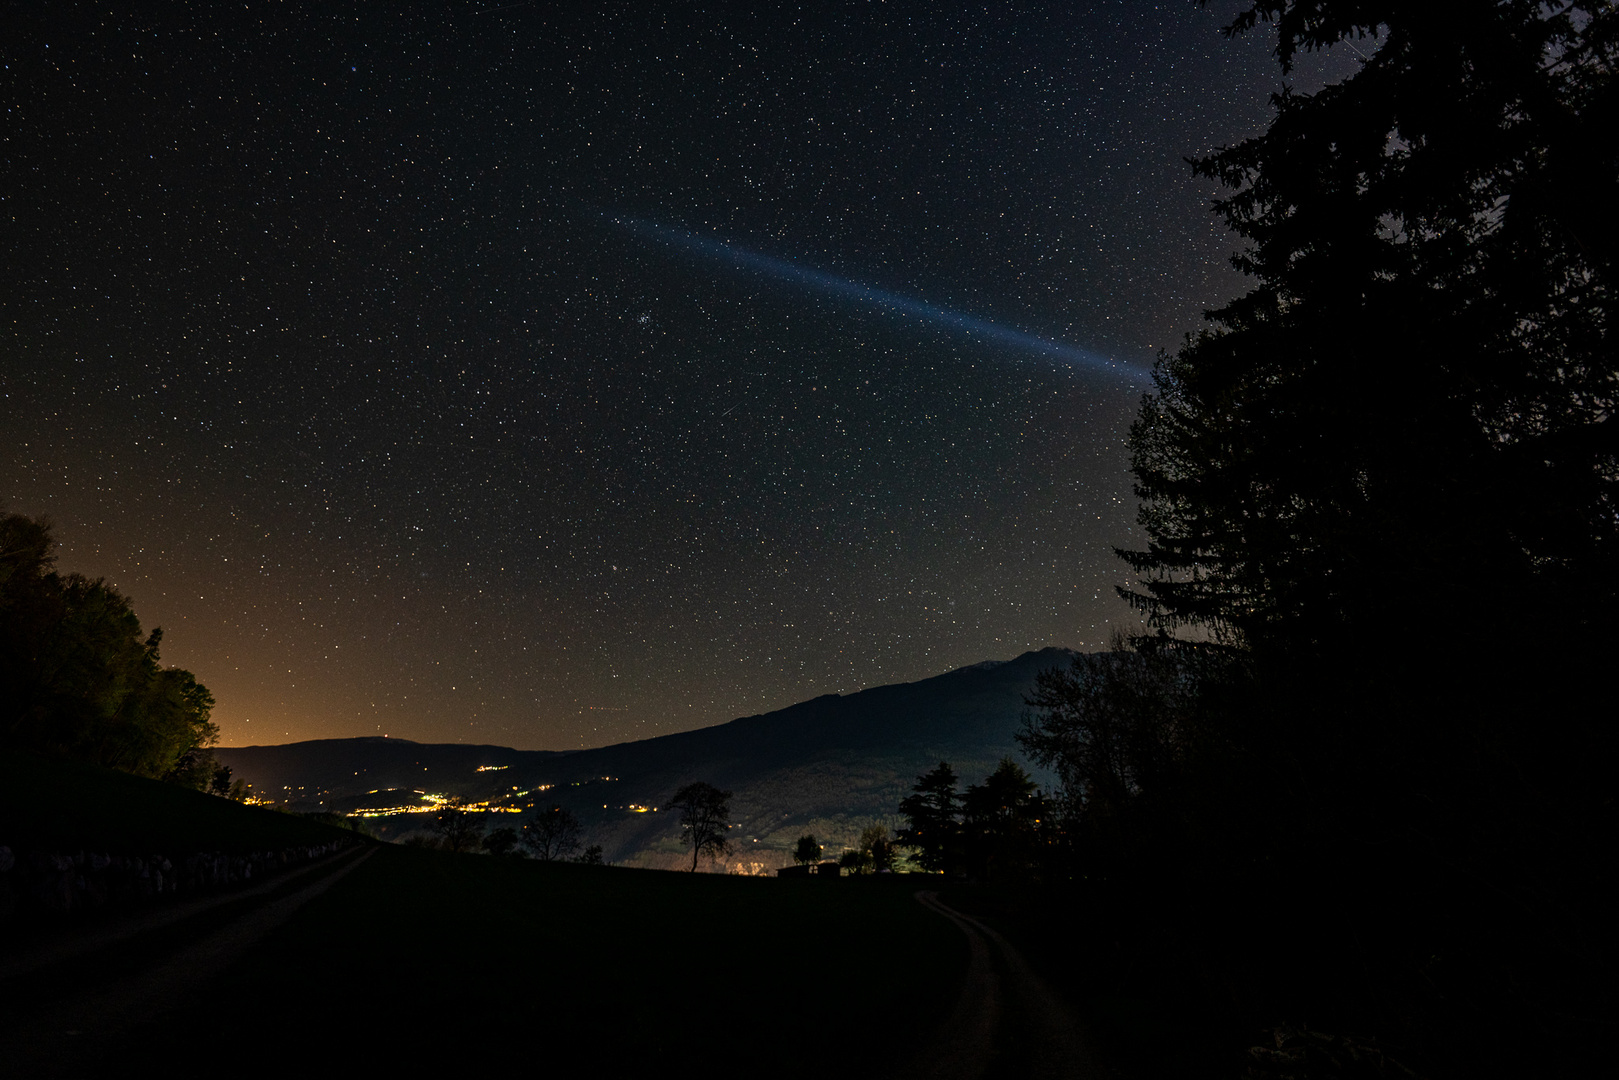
828 869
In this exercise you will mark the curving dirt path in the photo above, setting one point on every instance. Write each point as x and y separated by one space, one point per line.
1008 1022
64 1033
70 942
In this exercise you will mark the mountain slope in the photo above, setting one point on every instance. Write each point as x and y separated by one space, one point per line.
830 765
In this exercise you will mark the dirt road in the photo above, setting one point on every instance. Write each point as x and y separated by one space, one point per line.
1008 1021
66 1004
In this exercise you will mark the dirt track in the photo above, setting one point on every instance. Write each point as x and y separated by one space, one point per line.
56 1027
1008 1021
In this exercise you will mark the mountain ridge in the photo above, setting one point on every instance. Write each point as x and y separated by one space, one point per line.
830 764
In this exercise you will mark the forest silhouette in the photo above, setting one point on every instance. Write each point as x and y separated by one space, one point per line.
79 679
1369 722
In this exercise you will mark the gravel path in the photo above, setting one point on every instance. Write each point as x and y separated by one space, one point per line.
70 942
65 1033
1008 1022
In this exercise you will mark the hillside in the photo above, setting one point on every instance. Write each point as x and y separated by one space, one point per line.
830 765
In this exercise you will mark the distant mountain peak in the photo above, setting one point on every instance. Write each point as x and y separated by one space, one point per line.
829 765
988 665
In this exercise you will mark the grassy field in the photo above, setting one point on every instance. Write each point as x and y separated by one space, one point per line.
424 960
427 961
67 806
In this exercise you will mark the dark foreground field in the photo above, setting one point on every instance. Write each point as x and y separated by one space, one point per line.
417 959
422 959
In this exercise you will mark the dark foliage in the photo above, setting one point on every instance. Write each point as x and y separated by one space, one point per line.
1001 830
502 841
552 835
808 850
933 809
457 829
873 853
1414 400
1003 827
1118 728
78 678
1413 408
705 816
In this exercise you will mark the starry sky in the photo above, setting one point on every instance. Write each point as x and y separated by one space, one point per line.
482 372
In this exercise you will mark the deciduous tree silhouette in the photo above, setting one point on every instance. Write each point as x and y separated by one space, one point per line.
552 835
877 849
1111 725
502 841
808 850
78 678
458 830
705 813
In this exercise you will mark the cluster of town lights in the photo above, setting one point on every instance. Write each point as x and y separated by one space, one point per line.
433 802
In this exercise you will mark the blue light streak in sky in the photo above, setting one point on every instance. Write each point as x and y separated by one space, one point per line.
817 279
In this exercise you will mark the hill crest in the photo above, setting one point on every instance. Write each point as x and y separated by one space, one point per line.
830 765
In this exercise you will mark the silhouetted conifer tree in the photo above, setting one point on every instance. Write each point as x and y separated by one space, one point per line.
1382 490
933 809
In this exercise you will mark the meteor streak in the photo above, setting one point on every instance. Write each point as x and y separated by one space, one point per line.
867 294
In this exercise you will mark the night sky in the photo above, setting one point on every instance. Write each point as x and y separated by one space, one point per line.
491 374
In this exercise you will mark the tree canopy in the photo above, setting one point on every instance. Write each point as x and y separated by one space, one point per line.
457 828
1001 823
876 850
1412 405
808 850
1116 727
501 841
78 677
1408 419
932 809
705 813
1380 500
552 835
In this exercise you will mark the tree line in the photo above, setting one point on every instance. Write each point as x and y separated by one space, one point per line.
1380 505
1003 830
555 834
996 831
79 678
551 834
